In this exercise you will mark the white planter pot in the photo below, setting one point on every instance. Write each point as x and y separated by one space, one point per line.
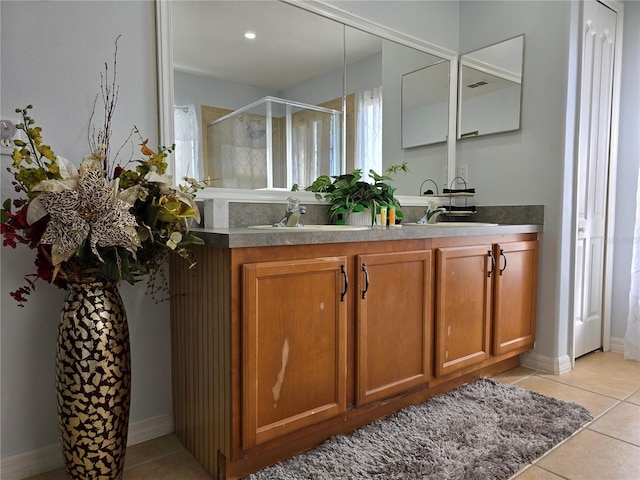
359 218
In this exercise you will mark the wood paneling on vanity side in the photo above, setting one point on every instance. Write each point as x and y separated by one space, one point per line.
201 355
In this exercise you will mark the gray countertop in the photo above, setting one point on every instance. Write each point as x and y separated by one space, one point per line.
249 237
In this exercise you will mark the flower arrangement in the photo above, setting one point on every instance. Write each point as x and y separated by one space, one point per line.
102 221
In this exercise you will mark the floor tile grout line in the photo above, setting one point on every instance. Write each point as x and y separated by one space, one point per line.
582 388
552 472
561 443
637 390
152 459
534 463
610 436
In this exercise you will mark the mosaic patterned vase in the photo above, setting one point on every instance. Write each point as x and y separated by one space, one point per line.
93 379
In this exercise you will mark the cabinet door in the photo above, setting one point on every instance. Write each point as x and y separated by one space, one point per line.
394 317
463 306
515 296
294 346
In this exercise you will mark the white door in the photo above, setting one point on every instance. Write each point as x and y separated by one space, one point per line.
599 30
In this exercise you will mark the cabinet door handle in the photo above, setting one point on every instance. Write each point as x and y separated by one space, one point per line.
493 263
366 281
505 261
346 282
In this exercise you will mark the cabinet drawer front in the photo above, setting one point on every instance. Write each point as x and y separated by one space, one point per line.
294 346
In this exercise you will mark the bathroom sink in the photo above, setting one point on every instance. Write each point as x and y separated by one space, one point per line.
452 224
312 228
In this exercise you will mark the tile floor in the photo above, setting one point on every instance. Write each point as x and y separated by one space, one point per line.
608 448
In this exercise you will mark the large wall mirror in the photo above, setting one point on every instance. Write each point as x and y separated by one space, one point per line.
490 92
309 95
425 105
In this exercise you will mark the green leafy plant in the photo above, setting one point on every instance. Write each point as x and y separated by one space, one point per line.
350 193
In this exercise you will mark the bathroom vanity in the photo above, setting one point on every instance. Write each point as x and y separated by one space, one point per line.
283 339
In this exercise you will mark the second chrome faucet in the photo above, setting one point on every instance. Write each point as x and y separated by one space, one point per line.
292 215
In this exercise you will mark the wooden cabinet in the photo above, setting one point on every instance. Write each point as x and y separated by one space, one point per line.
294 346
463 306
394 317
485 302
515 296
277 348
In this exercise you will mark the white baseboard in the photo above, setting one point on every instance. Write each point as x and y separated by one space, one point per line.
49 458
149 428
536 361
31 463
616 345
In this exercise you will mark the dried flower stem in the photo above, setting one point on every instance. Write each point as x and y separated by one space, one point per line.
109 89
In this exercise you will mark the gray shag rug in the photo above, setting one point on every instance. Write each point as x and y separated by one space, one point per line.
482 430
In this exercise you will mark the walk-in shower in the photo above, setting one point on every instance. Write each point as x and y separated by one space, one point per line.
274 143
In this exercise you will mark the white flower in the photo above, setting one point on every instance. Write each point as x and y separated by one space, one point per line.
90 211
174 240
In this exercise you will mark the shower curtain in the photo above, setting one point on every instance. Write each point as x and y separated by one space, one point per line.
368 142
313 146
632 337
187 156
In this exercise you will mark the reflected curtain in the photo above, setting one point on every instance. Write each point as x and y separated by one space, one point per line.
314 146
632 336
187 163
368 135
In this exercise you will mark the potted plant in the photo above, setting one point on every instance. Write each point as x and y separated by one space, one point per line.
350 193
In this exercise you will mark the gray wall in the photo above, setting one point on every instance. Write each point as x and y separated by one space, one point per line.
628 165
52 56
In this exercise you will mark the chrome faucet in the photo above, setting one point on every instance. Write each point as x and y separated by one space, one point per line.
431 214
292 215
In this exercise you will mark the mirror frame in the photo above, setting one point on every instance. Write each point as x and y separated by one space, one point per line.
165 79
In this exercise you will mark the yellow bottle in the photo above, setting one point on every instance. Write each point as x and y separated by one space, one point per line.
383 215
392 215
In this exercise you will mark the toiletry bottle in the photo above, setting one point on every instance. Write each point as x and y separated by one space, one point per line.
383 215
392 215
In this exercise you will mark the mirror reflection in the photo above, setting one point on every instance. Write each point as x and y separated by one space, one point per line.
274 143
286 91
490 90
219 71
425 105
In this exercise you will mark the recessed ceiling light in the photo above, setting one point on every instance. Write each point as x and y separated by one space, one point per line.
250 35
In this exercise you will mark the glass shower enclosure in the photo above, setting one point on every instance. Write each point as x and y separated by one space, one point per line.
273 144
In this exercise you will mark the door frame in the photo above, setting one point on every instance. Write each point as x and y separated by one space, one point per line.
618 7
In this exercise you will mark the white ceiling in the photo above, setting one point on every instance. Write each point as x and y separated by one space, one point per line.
208 40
